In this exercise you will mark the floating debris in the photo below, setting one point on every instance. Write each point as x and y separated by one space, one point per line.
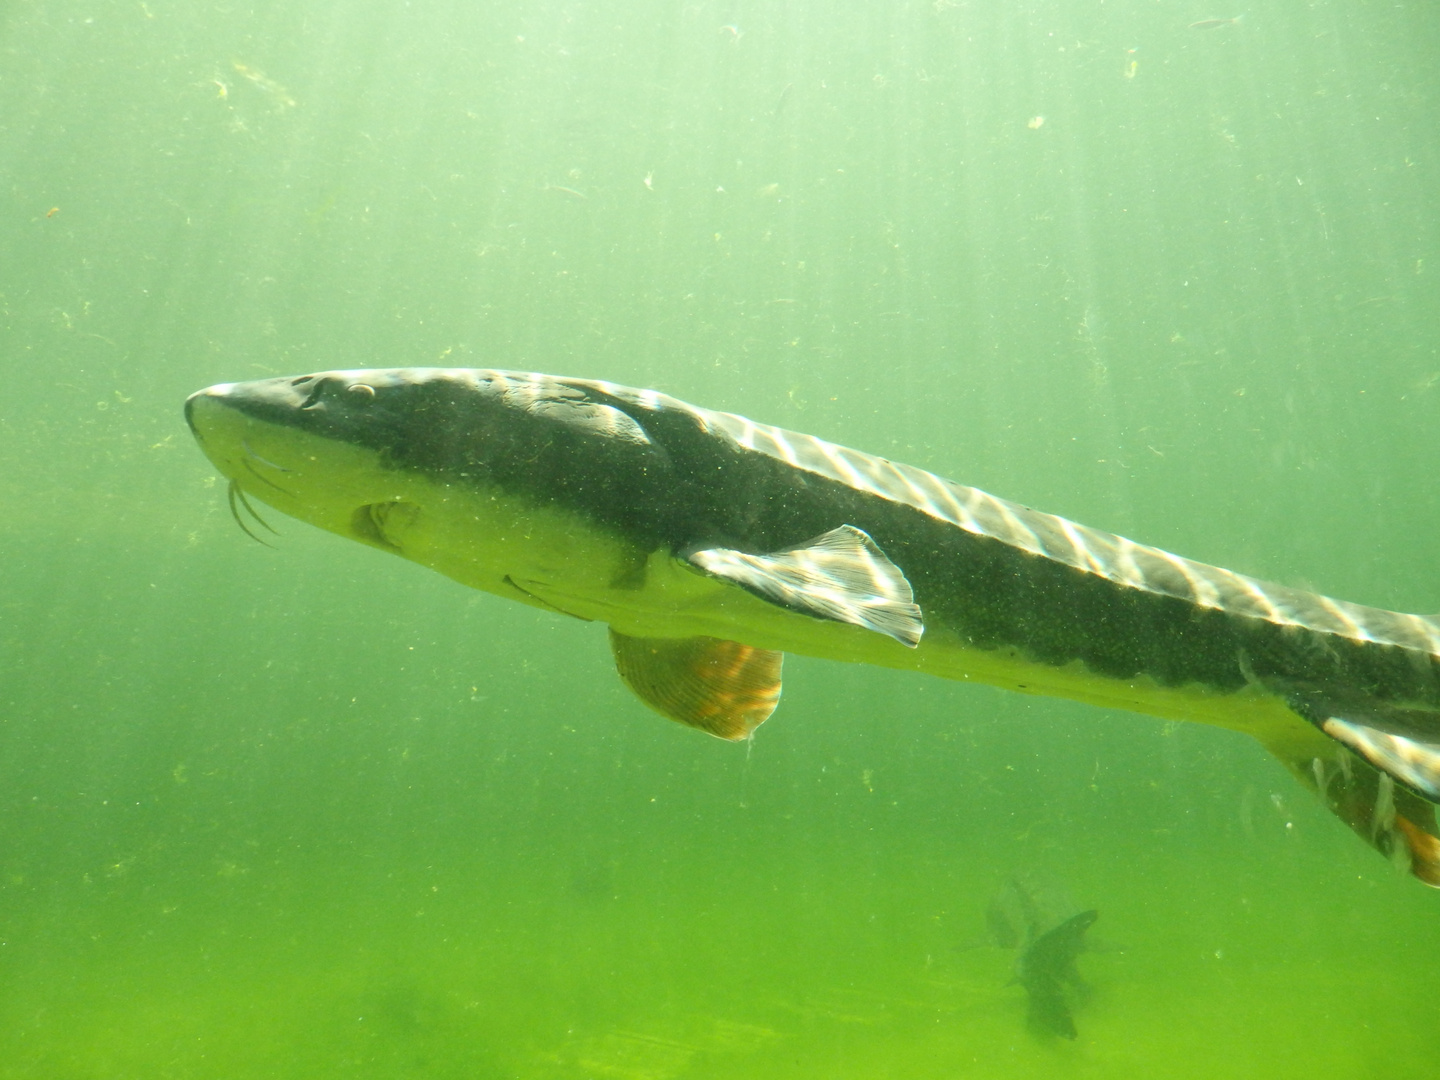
568 191
1215 24
264 82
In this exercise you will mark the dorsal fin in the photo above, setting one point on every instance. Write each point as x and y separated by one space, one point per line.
721 687
840 575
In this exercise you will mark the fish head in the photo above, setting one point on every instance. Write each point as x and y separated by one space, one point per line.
477 473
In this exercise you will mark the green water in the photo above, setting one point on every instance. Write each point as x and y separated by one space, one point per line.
314 811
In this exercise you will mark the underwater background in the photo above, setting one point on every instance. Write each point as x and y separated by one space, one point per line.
1163 268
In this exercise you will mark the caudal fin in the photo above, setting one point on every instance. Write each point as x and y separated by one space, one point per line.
1403 742
1390 818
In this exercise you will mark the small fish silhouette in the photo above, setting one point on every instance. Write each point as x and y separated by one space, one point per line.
1046 969
1034 914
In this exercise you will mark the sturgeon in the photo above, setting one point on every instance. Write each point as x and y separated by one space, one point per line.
711 545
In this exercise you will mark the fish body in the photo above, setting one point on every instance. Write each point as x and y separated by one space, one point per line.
711 545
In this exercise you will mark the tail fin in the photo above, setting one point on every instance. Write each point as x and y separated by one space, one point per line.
1394 821
1395 739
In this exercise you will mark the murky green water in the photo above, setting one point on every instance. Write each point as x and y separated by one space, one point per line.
314 811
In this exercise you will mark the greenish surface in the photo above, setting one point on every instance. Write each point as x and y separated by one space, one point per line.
315 812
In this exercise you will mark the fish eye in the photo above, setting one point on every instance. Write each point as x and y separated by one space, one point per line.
361 389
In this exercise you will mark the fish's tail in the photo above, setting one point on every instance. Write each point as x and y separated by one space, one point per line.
1047 1012
1393 820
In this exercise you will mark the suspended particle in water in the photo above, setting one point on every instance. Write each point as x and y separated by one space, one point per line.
1215 24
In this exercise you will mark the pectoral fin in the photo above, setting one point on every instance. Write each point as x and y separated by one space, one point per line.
721 687
841 575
